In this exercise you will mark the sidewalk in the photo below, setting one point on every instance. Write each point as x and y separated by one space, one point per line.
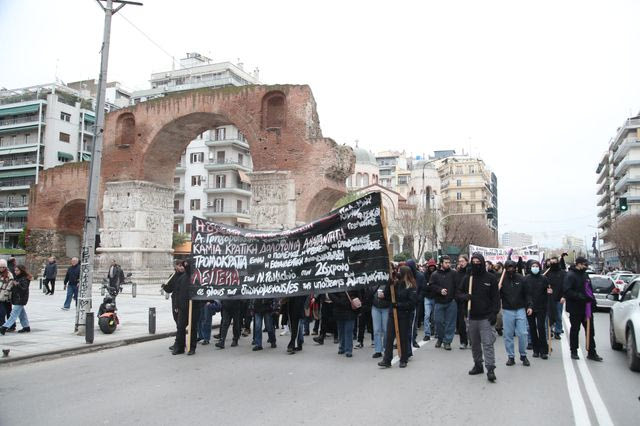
52 328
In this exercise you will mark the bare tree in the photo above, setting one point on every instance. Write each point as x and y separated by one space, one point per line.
463 230
625 234
418 227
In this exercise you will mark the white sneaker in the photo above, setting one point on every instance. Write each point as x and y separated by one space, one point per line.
285 332
64 309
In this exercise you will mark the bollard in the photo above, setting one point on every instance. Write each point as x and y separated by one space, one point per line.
134 289
152 320
88 333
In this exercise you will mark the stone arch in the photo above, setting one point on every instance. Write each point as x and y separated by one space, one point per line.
274 108
323 203
70 224
125 130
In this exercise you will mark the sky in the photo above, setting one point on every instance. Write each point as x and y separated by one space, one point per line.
536 88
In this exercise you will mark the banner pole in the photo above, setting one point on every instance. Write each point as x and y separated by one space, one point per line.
392 289
189 326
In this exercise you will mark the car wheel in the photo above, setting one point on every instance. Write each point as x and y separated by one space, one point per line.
632 351
612 336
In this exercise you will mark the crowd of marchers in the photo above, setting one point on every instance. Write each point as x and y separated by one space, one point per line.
476 300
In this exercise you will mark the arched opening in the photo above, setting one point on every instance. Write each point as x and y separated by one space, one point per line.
125 130
365 179
322 203
359 180
273 110
427 197
395 245
70 225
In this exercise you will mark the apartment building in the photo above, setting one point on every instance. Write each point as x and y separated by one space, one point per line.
212 177
516 239
618 183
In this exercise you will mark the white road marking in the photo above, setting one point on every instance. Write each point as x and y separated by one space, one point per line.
396 359
580 414
602 414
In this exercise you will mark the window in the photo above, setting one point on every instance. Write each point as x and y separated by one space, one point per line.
176 204
359 180
221 181
365 179
27 136
403 180
473 195
458 170
197 157
65 117
188 228
220 157
194 204
196 180
64 159
220 134
240 159
458 195
64 137
472 170
458 182
349 182
218 205
241 136
473 208
239 206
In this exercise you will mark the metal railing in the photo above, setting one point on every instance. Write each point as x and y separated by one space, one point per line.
9 205
18 120
18 162
243 186
213 210
225 161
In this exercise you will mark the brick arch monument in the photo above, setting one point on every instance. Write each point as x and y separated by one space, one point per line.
298 174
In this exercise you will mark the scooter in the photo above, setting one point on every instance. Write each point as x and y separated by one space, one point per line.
107 313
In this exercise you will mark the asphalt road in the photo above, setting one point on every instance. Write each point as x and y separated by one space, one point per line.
145 384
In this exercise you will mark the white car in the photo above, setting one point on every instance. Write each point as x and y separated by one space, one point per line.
624 323
621 279
602 286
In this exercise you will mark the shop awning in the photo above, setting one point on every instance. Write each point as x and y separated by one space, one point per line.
89 118
23 109
243 220
18 213
86 157
65 155
18 173
244 177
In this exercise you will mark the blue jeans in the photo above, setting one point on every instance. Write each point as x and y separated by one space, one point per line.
345 334
17 312
446 316
206 318
428 308
258 317
515 321
72 291
380 318
558 324
301 328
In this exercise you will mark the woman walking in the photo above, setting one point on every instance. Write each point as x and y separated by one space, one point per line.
19 299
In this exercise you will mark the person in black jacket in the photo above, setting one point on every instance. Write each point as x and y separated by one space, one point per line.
429 303
50 272
539 293
461 327
380 316
232 310
580 303
295 312
181 290
365 321
169 287
556 275
443 284
406 295
327 322
345 315
19 299
516 305
421 290
71 281
262 309
485 304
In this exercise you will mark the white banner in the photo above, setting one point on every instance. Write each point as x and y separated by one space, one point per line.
502 254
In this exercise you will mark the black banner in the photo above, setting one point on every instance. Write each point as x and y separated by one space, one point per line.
342 251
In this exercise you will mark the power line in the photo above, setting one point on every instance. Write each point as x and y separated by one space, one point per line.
173 60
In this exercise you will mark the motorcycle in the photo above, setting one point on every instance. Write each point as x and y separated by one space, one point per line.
107 312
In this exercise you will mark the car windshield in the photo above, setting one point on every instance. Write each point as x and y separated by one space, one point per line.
626 278
601 282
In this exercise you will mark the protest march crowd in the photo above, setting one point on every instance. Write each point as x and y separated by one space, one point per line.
476 300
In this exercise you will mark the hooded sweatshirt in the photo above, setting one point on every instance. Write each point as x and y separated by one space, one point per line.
421 282
514 292
485 300
443 279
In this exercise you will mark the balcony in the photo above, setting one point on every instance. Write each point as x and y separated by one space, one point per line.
16 184
214 213
604 210
218 164
629 124
181 167
603 199
178 213
626 180
602 223
5 205
623 149
624 166
178 189
603 187
232 143
18 163
19 121
15 227
242 189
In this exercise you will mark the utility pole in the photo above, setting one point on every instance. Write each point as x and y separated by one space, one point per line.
91 213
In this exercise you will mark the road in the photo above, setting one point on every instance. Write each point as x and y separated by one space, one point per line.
145 384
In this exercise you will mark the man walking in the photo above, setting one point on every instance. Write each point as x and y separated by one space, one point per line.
421 284
71 281
443 284
515 300
50 272
581 302
481 288
429 302
556 275
116 276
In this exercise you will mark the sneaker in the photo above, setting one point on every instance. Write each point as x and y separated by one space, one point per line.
285 331
464 346
439 344
257 348
536 355
298 348
291 351
447 346
64 309
377 355
360 345
402 364
574 355
219 345
205 342
544 356
349 355
25 330
511 362
525 361
340 352
385 364
592 356
234 343
273 345
415 344
319 340
426 338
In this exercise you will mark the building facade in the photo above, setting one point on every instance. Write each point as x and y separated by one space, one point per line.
516 239
212 176
618 179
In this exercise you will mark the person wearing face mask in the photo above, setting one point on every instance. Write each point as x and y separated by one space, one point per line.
429 302
539 293
485 304
556 275
580 303
461 327
443 284
516 304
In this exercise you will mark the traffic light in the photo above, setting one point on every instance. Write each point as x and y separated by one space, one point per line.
623 204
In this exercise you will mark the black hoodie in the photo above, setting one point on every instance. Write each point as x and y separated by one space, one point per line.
485 299
514 293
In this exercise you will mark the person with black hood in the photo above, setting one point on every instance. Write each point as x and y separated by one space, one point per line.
556 275
170 287
539 293
421 290
429 302
516 304
485 304
405 289
461 326
580 303
443 284
181 289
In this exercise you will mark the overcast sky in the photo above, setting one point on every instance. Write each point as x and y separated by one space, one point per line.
537 88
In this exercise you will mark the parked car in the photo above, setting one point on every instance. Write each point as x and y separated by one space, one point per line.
602 286
622 278
624 323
